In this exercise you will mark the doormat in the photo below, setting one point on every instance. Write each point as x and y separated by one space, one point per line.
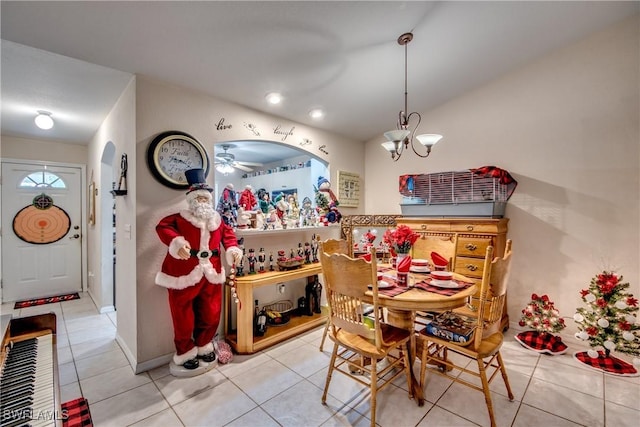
76 413
48 300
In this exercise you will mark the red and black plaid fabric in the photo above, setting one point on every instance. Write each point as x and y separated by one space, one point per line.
48 300
608 364
541 342
425 285
76 413
503 176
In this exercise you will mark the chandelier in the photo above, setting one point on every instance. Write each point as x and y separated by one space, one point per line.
399 139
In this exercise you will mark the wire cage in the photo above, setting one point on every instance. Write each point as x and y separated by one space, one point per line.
464 192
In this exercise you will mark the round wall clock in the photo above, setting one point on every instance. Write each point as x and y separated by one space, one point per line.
172 153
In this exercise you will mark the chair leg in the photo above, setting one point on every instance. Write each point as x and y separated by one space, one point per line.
486 391
503 371
374 390
332 363
324 334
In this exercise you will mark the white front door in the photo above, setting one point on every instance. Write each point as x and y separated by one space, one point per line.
41 230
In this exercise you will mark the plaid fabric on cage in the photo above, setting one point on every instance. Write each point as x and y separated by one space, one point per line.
608 364
76 413
541 342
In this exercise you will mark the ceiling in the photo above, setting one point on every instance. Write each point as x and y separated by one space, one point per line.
75 58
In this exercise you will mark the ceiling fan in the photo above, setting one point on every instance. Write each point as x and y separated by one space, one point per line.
225 161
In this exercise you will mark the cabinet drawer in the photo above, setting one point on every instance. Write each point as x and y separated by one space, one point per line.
471 227
471 267
473 246
426 226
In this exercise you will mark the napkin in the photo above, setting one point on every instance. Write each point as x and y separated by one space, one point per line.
439 260
366 257
404 265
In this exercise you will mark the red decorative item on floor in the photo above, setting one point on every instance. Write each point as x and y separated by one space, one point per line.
48 300
541 342
609 364
76 413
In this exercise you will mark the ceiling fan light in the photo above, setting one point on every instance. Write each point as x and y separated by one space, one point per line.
43 120
273 98
225 168
397 135
429 139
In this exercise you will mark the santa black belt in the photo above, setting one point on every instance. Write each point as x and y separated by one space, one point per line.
204 254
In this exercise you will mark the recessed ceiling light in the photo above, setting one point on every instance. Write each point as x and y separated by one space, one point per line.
274 98
43 120
316 113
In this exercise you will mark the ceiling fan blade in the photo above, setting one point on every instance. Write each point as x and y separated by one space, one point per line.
249 163
242 167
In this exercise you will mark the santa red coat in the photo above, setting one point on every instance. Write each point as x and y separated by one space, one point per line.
201 234
247 200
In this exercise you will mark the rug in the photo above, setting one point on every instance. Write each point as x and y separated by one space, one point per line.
76 413
48 300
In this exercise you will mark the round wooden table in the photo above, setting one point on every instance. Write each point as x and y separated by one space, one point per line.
401 310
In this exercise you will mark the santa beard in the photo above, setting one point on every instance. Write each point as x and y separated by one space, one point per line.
203 210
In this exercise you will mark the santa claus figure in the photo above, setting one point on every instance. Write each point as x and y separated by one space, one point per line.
193 274
247 199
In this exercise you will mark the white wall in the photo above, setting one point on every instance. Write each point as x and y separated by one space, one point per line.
567 128
33 149
162 107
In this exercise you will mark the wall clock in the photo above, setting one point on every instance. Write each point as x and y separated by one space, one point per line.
171 153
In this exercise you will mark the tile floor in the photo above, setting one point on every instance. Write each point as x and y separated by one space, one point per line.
282 386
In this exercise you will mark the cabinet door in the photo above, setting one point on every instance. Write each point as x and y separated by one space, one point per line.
442 243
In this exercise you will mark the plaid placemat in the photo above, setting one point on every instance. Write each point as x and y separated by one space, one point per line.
425 285
76 413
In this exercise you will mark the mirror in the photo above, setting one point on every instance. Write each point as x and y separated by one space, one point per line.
358 229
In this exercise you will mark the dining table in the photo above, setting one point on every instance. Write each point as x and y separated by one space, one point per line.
421 293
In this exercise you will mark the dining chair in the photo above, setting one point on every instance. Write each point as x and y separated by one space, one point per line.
365 348
486 341
333 246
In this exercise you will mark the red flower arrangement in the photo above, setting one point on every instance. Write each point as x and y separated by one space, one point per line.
400 240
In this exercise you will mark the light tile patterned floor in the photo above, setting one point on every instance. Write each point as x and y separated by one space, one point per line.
282 386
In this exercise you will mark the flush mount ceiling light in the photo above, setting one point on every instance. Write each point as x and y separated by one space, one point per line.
273 98
399 139
316 113
43 120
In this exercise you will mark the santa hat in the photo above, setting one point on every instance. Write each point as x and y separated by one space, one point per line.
197 184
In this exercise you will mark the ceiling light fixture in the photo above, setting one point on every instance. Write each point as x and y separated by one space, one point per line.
224 168
273 98
399 139
43 120
316 113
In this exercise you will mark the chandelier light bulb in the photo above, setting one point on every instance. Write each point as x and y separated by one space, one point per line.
43 120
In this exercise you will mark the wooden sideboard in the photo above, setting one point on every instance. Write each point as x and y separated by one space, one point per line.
461 240
242 339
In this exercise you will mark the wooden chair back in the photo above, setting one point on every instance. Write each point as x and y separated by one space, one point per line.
336 246
493 291
346 281
444 245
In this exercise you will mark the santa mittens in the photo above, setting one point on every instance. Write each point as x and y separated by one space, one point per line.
608 364
541 342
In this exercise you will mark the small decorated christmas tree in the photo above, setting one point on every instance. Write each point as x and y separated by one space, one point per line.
608 323
541 316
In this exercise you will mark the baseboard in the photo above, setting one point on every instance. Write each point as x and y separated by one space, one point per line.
153 363
107 309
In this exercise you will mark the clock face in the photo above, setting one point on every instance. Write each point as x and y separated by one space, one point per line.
171 154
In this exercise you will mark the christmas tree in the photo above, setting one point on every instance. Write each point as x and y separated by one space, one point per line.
609 323
542 316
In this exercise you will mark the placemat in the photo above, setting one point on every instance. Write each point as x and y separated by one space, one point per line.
423 283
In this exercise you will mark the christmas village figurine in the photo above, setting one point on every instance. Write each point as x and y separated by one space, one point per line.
247 199
264 201
609 323
308 214
326 202
240 266
541 316
293 213
244 218
282 206
228 205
